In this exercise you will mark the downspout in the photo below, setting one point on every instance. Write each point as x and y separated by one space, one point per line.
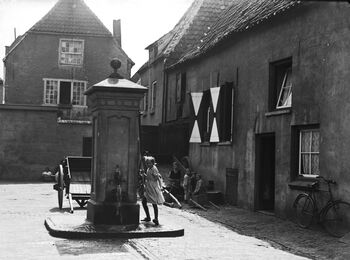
3 85
165 92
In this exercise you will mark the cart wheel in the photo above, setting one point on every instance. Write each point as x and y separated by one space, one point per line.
60 198
60 183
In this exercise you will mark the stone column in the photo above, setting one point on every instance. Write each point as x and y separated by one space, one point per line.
115 104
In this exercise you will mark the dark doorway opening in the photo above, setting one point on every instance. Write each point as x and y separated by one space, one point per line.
265 172
87 146
65 93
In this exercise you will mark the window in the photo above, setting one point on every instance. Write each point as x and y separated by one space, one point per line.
180 87
64 92
144 107
51 91
285 96
225 112
153 96
180 93
71 52
281 84
309 149
78 98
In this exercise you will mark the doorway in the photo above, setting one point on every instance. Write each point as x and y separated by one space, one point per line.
265 172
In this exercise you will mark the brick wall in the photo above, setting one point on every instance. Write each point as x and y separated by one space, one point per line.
36 57
31 139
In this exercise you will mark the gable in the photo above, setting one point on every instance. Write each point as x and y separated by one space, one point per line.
71 17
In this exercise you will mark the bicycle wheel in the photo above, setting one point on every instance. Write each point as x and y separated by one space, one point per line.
336 219
304 210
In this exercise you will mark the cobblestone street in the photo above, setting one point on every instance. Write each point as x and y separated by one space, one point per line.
23 235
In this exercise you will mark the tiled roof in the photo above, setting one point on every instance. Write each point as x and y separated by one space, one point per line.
240 16
191 27
71 17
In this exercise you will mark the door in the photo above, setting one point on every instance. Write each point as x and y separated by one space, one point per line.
265 172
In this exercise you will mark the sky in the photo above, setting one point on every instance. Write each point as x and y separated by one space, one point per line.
142 21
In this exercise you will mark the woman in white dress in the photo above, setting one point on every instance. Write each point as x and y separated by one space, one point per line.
153 193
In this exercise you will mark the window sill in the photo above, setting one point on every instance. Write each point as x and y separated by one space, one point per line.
303 183
205 144
71 121
226 143
278 112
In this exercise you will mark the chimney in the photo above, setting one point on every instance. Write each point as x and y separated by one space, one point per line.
117 34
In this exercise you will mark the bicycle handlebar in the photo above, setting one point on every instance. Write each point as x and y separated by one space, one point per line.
329 181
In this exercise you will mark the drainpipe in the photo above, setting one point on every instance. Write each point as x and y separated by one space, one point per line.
3 90
165 92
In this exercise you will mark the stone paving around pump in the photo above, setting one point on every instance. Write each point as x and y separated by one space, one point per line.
24 208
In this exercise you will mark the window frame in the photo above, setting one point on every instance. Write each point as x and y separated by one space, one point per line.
145 102
303 130
58 91
69 53
287 75
152 103
277 71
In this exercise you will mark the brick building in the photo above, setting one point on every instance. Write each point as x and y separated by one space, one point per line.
268 85
159 138
47 70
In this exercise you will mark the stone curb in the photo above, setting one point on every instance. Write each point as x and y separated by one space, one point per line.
73 232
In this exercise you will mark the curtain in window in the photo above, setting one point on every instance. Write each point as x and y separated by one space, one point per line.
309 152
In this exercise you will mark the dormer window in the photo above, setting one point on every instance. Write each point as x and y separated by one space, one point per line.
71 52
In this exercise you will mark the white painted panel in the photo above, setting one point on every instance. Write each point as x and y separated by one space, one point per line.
215 97
196 100
214 137
195 136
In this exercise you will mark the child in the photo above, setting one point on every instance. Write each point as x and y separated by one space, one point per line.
152 193
187 185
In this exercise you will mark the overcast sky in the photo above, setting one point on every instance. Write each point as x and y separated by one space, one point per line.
143 21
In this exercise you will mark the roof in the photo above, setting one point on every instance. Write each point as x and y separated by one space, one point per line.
190 28
71 17
240 16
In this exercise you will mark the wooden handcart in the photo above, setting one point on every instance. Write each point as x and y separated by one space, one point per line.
74 179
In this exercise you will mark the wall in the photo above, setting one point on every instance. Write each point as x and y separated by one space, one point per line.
31 139
317 37
36 57
148 76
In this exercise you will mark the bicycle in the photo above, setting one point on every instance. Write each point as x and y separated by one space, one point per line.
334 215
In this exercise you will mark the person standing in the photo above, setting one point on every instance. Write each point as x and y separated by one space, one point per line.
153 193
187 185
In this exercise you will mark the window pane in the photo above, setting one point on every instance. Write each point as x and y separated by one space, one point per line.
305 141
305 164
51 92
315 141
78 93
285 94
315 164
71 52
